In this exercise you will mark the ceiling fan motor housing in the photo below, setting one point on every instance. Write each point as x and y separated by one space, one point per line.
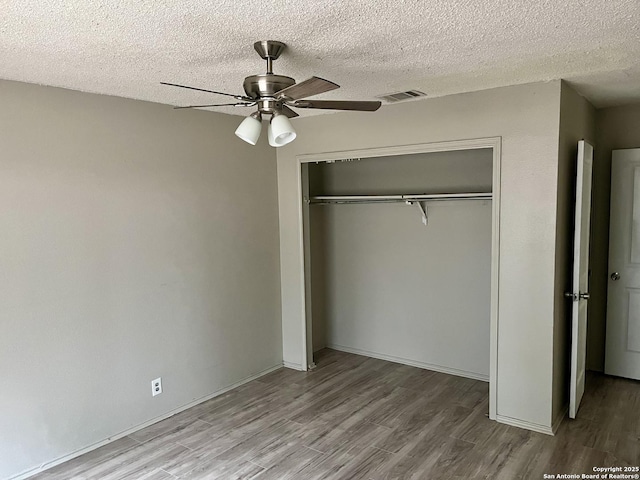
266 85
263 89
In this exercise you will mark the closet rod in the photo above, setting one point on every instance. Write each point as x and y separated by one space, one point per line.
327 199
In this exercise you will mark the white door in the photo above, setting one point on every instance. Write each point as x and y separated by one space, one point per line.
580 293
622 354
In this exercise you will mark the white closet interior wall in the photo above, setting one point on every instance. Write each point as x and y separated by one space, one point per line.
385 285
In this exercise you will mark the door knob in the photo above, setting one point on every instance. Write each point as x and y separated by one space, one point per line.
615 276
584 296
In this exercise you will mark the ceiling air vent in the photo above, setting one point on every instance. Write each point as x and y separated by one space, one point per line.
400 96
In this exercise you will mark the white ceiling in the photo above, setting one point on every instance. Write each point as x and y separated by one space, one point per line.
369 47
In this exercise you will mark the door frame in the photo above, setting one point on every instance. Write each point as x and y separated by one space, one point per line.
495 144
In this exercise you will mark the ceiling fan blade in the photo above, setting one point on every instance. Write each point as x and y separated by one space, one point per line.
218 105
311 86
288 112
365 106
237 97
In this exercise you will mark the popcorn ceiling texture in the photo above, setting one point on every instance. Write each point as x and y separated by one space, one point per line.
370 48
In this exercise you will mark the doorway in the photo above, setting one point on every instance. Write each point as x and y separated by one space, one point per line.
622 350
490 146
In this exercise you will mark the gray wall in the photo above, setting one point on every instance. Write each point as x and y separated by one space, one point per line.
137 242
577 122
386 285
451 172
617 128
394 288
526 117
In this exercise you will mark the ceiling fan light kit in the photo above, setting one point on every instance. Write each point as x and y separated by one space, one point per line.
275 94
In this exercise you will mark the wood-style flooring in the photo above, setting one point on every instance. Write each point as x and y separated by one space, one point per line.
355 417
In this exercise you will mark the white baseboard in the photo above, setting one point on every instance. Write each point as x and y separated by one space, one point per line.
559 419
82 451
294 366
514 422
412 363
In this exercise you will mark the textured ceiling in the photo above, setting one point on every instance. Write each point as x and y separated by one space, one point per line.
369 47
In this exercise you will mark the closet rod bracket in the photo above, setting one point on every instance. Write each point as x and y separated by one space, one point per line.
422 208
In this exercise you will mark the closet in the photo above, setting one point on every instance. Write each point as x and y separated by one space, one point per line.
399 258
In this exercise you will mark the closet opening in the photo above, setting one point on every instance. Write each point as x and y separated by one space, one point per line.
401 255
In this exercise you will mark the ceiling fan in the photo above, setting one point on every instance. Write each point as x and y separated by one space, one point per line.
275 95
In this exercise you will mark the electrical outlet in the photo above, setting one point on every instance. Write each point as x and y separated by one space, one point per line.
156 386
